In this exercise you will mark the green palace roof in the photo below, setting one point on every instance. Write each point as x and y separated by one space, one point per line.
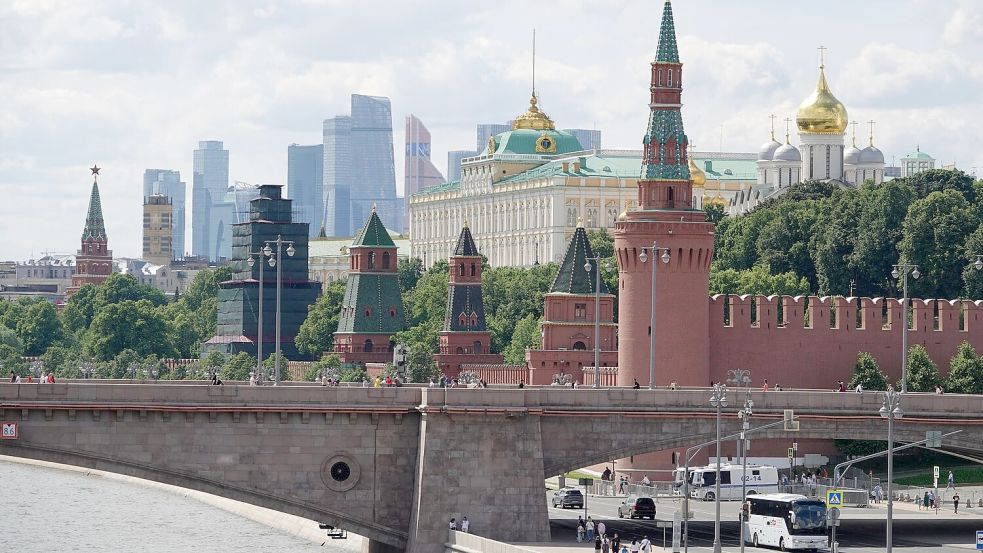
625 165
523 141
918 155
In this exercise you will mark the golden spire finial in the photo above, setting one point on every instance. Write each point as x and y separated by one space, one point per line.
772 117
465 223
854 125
822 56
373 207
871 123
580 222
533 118
534 62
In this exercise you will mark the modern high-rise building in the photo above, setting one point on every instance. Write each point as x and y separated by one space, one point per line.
212 216
305 184
158 231
338 176
590 139
420 172
168 183
359 167
454 158
486 130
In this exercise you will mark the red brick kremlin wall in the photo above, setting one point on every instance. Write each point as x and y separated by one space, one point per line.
811 342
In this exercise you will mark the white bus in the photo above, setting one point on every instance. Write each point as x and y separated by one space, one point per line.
786 521
759 479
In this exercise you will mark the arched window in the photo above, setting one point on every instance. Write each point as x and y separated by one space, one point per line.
461 269
371 260
670 77
579 346
462 320
477 346
460 349
385 260
367 347
473 269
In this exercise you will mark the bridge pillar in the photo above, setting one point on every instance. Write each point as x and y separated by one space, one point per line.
487 467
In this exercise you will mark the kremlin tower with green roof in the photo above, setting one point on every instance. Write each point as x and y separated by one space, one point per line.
94 261
665 238
372 310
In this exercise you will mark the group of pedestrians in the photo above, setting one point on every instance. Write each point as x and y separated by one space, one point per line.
465 525
588 532
43 379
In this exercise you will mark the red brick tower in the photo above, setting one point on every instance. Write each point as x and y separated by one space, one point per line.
465 338
93 262
665 217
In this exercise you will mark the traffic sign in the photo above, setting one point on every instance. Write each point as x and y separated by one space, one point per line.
8 431
979 539
834 499
935 472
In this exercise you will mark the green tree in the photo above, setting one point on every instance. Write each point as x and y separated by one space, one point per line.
39 327
714 212
965 371
526 336
64 361
936 230
882 213
317 330
134 325
833 242
756 280
973 278
80 309
238 367
355 373
941 180
868 374
783 242
511 294
409 271
427 301
213 359
923 374
601 242
118 288
9 338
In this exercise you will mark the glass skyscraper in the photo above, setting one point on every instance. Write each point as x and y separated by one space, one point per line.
168 183
212 216
305 179
359 167
454 158
420 172
484 130
590 139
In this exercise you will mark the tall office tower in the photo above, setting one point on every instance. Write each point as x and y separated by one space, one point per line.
590 139
373 161
305 184
485 130
337 180
212 216
420 172
454 158
168 183
158 229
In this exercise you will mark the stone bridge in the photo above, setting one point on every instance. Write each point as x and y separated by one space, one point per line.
394 464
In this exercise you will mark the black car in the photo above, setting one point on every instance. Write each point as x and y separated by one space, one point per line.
568 497
637 507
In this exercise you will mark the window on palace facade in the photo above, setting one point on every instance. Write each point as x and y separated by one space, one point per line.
580 311
579 346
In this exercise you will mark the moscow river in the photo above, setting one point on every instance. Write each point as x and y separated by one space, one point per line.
52 510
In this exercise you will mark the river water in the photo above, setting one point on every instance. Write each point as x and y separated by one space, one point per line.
51 510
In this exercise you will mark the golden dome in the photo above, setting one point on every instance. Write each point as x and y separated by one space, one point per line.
821 112
707 200
533 118
696 175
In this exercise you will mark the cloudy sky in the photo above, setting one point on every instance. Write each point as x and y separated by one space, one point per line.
136 84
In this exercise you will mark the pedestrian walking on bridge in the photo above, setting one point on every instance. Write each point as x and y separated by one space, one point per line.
955 502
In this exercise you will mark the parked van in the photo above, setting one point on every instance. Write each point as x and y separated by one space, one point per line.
702 481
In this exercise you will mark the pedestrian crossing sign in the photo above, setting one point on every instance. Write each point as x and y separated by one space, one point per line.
834 499
979 539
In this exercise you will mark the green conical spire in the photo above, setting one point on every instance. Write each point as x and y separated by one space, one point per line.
374 234
573 278
95 228
667 51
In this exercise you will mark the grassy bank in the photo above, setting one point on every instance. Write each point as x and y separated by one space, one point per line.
964 476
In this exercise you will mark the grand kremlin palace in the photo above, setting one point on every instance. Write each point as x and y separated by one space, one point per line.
523 195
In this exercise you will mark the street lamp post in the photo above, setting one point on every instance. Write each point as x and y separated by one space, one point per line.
902 270
644 257
745 415
279 242
719 400
263 253
597 316
890 410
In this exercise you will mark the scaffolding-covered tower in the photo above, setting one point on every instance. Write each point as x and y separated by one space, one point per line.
238 299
